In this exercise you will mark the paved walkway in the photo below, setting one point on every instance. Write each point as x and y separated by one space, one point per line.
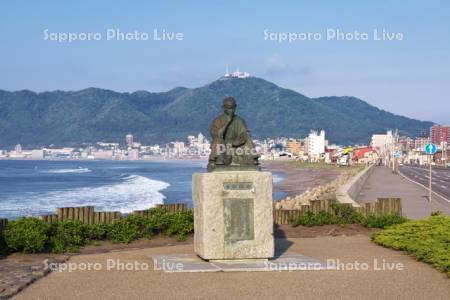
383 183
417 280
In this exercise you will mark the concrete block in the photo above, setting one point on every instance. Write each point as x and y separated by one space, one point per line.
233 215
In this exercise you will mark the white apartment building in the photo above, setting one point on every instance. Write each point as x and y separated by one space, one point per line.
315 145
383 144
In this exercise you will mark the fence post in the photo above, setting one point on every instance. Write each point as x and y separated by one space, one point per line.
3 223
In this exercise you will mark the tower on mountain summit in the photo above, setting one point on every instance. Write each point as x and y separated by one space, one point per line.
236 73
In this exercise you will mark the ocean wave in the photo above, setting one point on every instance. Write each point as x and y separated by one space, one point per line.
134 192
277 178
63 171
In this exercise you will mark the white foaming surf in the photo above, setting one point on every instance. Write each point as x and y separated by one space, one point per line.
277 178
134 192
63 171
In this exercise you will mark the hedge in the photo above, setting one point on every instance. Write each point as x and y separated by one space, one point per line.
427 240
32 235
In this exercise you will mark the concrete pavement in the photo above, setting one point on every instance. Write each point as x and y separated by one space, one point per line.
414 280
382 183
440 178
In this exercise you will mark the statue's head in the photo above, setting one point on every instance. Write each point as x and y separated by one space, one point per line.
229 106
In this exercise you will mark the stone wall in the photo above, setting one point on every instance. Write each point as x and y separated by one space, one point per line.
321 192
349 191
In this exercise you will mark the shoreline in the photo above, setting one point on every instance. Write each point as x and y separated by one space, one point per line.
290 178
157 159
295 179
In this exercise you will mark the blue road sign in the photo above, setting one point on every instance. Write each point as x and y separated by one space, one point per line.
430 149
397 154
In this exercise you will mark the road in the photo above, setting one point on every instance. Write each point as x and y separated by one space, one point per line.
440 179
382 183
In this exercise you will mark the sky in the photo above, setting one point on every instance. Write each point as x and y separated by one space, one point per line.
407 75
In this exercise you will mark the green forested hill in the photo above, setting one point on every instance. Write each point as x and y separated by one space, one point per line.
90 115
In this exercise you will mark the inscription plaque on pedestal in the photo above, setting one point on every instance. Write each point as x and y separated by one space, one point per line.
238 218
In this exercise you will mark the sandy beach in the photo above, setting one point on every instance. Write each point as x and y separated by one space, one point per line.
297 178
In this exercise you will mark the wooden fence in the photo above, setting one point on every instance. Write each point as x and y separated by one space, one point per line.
3 224
88 215
170 208
380 207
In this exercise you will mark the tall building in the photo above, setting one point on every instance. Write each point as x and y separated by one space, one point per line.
178 149
382 143
440 134
315 144
129 139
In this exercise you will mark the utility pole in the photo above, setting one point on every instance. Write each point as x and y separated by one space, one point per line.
444 154
430 150
429 186
395 162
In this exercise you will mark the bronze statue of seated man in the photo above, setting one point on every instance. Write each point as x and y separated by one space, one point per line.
232 147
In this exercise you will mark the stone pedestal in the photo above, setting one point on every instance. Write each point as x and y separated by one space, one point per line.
233 215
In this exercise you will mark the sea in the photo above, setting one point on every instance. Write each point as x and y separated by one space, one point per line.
36 187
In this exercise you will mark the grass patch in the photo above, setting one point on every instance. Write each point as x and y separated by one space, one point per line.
427 240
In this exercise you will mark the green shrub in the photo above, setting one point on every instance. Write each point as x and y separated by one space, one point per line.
428 240
34 235
182 223
310 219
26 234
342 214
4 250
345 213
127 229
98 231
160 221
436 213
383 221
68 235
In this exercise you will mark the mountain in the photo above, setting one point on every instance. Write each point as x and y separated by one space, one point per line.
91 115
